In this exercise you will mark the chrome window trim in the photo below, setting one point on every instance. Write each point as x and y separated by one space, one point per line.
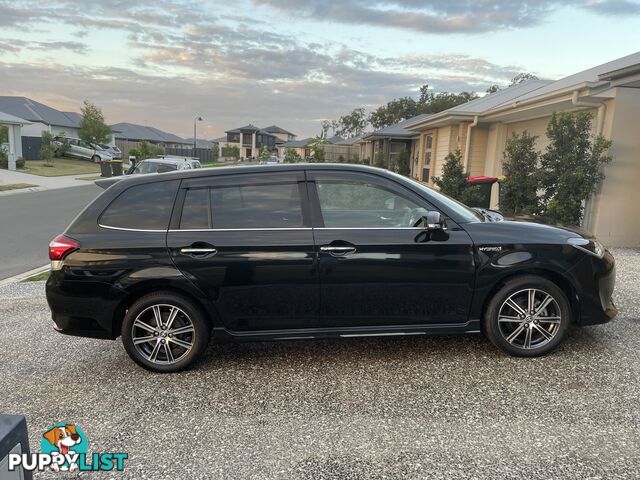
176 230
131 229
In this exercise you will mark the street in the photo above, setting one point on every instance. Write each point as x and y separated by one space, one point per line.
28 222
403 407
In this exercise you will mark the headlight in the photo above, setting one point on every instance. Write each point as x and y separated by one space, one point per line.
592 247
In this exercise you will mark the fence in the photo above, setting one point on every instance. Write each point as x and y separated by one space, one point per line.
31 148
205 155
332 153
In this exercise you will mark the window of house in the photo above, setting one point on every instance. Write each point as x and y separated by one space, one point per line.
428 151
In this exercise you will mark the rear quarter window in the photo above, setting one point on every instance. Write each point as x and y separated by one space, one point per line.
142 207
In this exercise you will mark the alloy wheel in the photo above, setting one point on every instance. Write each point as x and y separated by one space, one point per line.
529 318
163 334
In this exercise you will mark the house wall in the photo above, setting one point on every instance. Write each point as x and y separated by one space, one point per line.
478 149
36 129
443 143
615 220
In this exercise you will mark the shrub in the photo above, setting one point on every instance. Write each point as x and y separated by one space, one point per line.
519 191
20 163
146 150
571 167
453 181
4 159
378 160
291 156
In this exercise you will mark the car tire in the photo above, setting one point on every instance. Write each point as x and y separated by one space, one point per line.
525 324
158 346
95 159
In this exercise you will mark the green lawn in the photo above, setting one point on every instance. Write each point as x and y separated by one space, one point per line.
38 277
15 186
61 166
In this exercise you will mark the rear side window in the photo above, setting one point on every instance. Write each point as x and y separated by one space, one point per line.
142 207
238 207
257 206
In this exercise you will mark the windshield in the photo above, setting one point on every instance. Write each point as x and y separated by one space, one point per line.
460 208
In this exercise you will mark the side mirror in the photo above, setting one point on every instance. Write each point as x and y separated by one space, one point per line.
434 221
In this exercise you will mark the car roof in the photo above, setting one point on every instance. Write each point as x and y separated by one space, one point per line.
244 169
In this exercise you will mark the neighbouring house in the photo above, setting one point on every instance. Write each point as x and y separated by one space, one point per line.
390 142
130 135
13 146
301 147
282 135
249 140
39 117
480 128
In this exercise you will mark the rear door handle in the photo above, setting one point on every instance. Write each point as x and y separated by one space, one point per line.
338 250
199 250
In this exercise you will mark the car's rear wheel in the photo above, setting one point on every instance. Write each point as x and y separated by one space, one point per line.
528 316
165 332
95 159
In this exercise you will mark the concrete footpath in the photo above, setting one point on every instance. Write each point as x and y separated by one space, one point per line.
8 177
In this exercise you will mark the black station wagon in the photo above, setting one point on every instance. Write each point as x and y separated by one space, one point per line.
309 251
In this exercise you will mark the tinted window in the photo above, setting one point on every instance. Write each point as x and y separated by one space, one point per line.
257 206
144 207
359 204
195 210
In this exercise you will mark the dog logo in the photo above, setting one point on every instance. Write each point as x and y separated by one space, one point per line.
66 440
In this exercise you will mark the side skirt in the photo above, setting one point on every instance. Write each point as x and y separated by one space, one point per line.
221 334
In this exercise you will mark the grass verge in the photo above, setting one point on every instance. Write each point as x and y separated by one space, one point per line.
38 277
15 186
60 167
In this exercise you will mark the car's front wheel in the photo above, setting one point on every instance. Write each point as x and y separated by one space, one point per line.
95 159
165 332
528 316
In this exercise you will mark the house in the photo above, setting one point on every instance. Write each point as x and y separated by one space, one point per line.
130 135
249 140
480 129
39 118
390 142
13 145
301 147
281 134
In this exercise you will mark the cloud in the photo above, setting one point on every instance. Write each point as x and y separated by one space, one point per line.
16 45
443 17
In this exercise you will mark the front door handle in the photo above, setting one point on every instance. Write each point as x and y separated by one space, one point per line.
338 250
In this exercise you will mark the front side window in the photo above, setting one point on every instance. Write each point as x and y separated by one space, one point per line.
358 204
142 207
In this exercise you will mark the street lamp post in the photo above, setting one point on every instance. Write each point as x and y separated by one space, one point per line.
195 120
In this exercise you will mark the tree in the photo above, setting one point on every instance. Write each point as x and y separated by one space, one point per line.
328 124
4 134
231 152
454 181
263 154
571 167
519 191
493 88
393 112
402 164
352 124
378 160
291 156
48 148
146 150
523 77
92 127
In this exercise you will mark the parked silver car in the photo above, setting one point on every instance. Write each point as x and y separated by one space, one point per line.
83 150
115 152
164 164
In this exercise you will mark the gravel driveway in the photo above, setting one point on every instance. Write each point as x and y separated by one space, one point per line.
438 407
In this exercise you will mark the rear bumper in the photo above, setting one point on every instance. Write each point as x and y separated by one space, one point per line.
81 308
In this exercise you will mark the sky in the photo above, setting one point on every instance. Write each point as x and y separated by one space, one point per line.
287 62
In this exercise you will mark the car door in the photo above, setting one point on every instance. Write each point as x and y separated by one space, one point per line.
85 150
376 267
246 241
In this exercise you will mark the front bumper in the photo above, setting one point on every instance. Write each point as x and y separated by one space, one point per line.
597 279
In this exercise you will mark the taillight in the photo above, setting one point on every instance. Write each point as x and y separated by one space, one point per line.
61 246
